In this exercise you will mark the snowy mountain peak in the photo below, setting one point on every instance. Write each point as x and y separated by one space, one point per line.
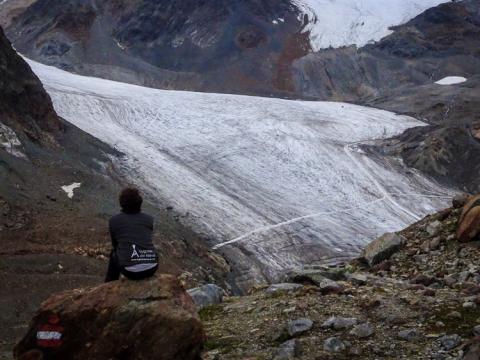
336 23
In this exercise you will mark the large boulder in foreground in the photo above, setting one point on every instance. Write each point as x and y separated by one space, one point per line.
382 248
469 223
150 319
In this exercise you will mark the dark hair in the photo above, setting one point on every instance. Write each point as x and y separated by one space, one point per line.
130 200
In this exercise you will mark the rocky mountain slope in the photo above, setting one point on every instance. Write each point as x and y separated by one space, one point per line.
51 239
221 46
419 301
238 46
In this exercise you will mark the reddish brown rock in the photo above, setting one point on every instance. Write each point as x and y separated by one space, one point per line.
469 223
151 319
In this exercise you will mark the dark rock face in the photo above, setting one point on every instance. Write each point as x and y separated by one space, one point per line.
151 319
226 46
24 104
450 153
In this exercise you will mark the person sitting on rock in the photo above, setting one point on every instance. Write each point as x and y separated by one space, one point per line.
133 254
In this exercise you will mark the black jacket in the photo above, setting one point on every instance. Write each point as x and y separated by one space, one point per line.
132 239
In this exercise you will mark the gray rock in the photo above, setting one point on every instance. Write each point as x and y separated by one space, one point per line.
357 279
463 276
299 327
285 287
334 345
382 248
449 342
460 200
408 335
362 330
476 330
206 295
328 286
435 243
288 350
420 259
434 228
339 323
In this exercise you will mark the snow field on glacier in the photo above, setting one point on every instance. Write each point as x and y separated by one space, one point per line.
286 180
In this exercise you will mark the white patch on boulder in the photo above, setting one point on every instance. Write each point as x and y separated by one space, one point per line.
69 189
451 80
10 142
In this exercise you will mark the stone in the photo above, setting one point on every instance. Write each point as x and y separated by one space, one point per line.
450 280
382 248
339 323
357 279
429 292
148 319
288 350
469 305
362 330
454 315
420 259
334 345
283 287
449 342
424 280
328 286
435 243
476 330
299 326
434 228
460 200
469 223
206 295
408 335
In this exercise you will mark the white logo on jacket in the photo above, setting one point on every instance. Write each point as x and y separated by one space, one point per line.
134 252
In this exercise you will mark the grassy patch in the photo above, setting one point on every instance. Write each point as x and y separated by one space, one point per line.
210 312
225 344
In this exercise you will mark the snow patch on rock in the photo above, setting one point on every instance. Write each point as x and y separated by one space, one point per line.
451 80
70 188
338 23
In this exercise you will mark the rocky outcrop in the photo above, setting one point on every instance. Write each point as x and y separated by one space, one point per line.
150 319
24 104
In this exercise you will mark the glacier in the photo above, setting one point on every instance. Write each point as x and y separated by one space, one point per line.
284 183
337 23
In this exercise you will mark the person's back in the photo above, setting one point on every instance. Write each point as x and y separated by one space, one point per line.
133 253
